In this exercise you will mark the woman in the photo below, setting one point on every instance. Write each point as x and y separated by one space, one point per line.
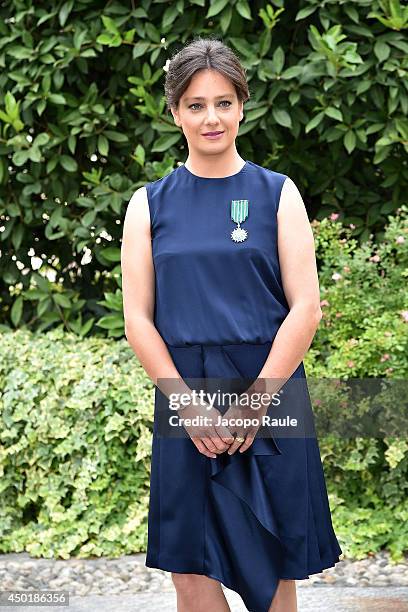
220 283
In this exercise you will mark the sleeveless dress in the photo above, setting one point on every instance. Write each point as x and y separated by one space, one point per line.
251 518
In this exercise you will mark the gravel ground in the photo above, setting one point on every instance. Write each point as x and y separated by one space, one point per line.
318 599
128 575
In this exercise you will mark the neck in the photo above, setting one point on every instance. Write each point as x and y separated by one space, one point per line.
214 165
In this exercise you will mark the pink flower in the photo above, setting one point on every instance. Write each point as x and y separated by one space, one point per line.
389 370
375 258
404 315
385 357
352 226
336 276
350 364
334 216
346 268
400 239
318 402
324 303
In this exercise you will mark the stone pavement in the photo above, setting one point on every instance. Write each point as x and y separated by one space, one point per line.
125 584
315 599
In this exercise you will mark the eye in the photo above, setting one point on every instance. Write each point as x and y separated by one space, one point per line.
221 102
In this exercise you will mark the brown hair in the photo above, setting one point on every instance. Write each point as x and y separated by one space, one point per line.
203 53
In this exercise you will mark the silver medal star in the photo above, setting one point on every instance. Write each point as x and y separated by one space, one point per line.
239 234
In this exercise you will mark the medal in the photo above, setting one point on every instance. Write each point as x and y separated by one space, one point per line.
239 212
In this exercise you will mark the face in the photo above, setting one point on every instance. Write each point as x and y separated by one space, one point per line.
209 104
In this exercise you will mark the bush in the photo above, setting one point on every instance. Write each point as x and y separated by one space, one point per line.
75 446
77 418
363 333
83 125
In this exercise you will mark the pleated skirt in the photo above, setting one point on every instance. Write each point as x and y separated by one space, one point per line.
246 520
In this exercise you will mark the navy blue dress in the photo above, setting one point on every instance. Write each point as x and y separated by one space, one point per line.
252 518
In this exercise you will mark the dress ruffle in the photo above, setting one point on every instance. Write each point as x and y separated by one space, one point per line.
264 512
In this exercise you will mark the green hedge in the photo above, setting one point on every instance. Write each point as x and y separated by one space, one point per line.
363 334
76 418
83 124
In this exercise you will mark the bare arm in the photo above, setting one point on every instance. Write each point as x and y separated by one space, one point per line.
138 284
301 286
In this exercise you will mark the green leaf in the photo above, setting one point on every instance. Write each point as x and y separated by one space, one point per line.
165 142
109 24
255 113
18 52
11 105
278 60
20 157
16 310
265 42
103 145
34 154
382 50
139 49
334 113
314 122
17 236
140 155
62 300
111 253
113 321
41 139
282 117
349 141
169 16
244 47
292 72
88 218
305 12
64 12
243 9
225 19
216 7
68 163
116 136
57 98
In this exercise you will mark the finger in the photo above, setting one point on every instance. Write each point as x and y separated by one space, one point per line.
210 445
234 446
246 444
203 449
219 442
225 434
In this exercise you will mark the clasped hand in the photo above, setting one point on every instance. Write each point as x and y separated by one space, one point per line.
214 433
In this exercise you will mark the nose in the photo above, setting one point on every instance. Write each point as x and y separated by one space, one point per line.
212 116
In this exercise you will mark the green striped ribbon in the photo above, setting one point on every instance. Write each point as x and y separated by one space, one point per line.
239 210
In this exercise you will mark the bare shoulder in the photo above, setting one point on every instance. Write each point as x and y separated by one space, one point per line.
291 200
293 220
137 216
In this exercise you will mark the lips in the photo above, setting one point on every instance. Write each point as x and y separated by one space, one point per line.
212 133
